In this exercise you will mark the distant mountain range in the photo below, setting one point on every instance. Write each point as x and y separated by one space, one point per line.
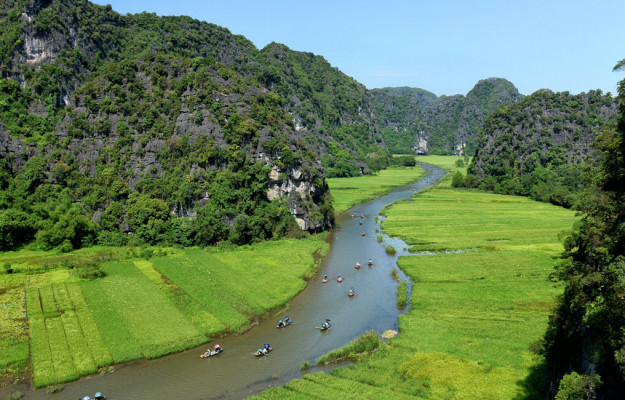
414 119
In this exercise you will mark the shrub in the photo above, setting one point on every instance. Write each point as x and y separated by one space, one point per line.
304 365
577 387
90 272
390 250
354 350
65 247
7 268
458 179
146 253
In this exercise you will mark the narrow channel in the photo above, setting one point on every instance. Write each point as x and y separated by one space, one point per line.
237 373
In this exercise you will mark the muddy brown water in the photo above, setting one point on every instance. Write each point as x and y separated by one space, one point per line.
237 373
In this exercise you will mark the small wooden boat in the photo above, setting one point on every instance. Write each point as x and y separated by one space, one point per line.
283 323
263 351
211 353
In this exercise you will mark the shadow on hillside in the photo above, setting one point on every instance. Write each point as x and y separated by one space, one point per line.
534 386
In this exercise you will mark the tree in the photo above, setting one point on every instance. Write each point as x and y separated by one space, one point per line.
589 321
208 227
147 216
457 180
16 228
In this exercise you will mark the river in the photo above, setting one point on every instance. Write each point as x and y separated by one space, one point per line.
237 373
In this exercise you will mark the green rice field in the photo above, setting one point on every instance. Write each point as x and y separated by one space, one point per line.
480 301
347 192
448 163
141 308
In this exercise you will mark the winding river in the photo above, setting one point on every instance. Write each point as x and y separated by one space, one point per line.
236 373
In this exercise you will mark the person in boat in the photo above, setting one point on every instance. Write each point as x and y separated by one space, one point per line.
287 320
325 278
266 348
326 324
260 352
363 233
339 277
217 349
351 291
99 396
280 323
370 261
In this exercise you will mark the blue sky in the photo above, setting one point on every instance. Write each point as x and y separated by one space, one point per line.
441 46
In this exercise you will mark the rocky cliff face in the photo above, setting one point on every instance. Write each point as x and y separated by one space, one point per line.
545 128
166 106
537 147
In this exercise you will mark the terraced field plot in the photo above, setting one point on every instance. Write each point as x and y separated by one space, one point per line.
138 311
228 285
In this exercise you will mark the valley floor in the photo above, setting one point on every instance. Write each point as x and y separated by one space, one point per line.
481 297
142 308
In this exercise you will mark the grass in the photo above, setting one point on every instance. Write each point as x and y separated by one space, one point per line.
402 294
13 326
448 163
441 220
395 275
347 192
141 308
477 310
154 324
354 350
229 289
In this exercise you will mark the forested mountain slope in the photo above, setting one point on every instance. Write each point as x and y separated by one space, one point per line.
411 117
585 342
113 124
537 147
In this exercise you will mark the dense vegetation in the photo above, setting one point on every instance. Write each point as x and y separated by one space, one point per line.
538 147
128 129
334 104
140 308
415 118
479 302
585 342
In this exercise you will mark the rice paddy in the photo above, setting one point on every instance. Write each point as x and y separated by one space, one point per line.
480 300
141 308
347 192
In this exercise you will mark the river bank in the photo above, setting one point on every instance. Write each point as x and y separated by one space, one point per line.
235 373
476 316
